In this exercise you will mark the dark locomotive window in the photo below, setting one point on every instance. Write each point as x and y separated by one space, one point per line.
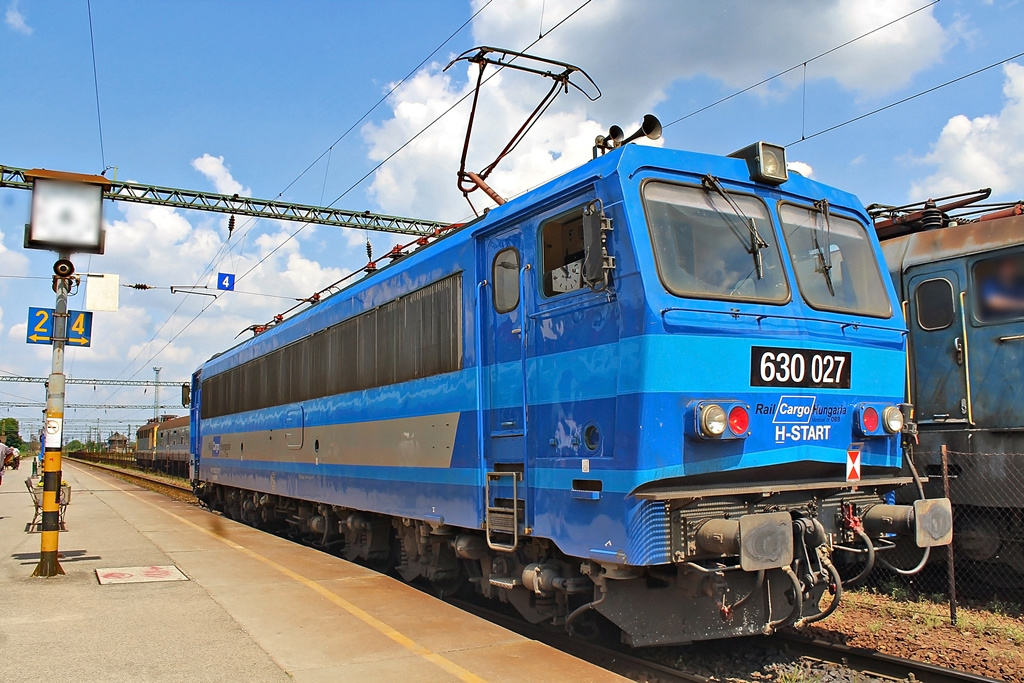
702 247
563 254
414 336
505 275
999 288
835 264
935 307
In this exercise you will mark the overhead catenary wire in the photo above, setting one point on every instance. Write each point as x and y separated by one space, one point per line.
802 64
251 222
408 142
225 249
908 98
96 86
352 186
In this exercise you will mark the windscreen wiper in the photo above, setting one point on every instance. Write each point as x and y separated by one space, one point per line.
825 255
757 243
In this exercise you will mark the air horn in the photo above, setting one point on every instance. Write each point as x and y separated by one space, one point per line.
650 128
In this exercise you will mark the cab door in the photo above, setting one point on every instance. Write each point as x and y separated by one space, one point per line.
503 333
939 362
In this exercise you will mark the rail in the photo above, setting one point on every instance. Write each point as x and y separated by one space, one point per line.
125 471
872 662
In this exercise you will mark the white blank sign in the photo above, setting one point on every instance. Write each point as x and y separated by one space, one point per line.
102 292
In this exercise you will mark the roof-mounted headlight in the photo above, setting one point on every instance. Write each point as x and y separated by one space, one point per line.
766 162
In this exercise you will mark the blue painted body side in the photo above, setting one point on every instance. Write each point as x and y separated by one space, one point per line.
632 361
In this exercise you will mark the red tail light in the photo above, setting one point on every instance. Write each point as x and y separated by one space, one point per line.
870 419
739 420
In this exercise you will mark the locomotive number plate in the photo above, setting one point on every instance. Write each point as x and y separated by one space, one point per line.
775 367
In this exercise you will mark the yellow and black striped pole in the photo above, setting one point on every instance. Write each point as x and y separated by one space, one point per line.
48 562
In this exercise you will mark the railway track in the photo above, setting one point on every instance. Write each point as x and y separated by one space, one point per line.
874 663
177 488
858 663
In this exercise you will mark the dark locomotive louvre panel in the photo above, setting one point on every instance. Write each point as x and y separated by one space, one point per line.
414 336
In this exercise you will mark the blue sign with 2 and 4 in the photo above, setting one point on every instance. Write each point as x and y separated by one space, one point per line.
226 281
40 327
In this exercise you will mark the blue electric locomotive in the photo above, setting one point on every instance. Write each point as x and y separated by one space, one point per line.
664 386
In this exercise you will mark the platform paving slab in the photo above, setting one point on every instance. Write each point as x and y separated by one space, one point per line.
255 607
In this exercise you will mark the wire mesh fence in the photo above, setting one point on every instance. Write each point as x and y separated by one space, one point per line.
122 459
984 566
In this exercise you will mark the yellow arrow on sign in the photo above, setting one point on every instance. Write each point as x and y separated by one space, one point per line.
37 338
78 340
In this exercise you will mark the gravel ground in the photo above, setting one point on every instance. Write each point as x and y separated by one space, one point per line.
751 660
987 641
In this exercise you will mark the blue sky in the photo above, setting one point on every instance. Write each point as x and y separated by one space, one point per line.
243 96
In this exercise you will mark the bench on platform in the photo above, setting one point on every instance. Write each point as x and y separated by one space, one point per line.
37 499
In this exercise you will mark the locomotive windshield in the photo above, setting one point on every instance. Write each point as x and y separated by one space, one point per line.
835 266
703 248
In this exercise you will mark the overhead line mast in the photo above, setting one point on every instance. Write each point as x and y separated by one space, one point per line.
139 193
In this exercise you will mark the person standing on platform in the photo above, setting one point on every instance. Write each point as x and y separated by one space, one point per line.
5 452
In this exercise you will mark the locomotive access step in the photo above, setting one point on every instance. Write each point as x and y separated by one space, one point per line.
501 519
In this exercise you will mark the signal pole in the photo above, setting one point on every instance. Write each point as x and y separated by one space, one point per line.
48 562
67 217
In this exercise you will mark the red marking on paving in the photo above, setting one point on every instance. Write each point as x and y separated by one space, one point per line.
139 574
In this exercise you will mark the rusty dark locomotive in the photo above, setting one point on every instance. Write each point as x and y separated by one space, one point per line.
959 267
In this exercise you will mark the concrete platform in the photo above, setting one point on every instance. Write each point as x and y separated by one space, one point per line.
255 607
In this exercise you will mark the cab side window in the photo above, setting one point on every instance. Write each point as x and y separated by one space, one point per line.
935 306
999 288
505 276
562 265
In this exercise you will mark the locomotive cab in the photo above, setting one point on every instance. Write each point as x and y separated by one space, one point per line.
759 375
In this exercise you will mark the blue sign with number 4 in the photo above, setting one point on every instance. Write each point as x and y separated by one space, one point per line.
226 281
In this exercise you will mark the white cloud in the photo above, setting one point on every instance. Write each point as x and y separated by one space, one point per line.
12 262
17 332
216 172
16 20
655 47
802 168
985 151
733 41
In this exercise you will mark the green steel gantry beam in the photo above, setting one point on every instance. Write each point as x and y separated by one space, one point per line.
18 379
70 406
247 206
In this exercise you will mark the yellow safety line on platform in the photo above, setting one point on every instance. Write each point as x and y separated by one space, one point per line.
367 618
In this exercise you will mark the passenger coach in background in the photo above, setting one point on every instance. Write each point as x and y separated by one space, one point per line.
163 445
663 387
